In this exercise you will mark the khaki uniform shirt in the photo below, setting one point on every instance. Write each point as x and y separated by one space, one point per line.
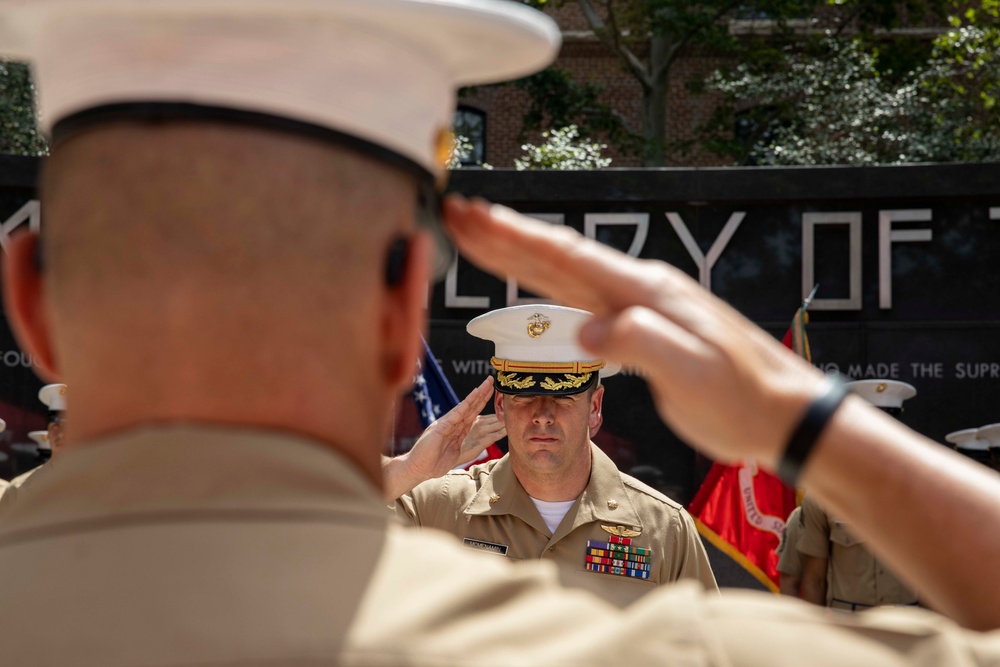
855 579
9 490
489 510
789 560
25 476
8 496
274 550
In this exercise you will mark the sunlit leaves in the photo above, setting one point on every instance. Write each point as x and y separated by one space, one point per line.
18 130
833 106
563 149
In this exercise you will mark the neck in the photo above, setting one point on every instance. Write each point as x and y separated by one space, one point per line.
318 408
556 485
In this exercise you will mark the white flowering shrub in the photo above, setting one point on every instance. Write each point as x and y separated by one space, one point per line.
460 152
563 149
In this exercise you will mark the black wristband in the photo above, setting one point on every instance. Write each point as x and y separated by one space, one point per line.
804 438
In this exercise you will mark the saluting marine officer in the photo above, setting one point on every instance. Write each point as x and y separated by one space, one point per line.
232 204
838 569
556 495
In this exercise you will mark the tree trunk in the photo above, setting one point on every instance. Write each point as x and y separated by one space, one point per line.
655 112
654 125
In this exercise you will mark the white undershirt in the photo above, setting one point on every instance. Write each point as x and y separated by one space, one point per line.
552 511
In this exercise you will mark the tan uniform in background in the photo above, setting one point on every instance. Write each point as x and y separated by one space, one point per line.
488 509
789 560
18 481
14 489
276 550
856 579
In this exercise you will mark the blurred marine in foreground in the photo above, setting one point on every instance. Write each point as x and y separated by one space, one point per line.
231 221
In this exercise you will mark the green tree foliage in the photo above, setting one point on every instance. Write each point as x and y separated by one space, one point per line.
962 75
829 106
18 130
649 36
556 100
837 103
563 149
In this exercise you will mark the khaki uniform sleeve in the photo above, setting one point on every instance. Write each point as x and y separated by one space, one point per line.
523 618
406 509
789 558
695 564
437 503
815 538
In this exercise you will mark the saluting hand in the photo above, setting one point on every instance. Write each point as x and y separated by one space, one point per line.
486 429
442 446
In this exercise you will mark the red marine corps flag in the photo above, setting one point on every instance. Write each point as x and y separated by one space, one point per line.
741 509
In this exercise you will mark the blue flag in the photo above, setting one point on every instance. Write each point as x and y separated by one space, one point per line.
431 391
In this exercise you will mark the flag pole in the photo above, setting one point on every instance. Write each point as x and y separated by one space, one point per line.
808 300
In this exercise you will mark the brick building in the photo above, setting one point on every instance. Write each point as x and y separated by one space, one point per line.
498 111
502 108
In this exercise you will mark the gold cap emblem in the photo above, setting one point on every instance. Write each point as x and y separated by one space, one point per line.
882 386
494 498
612 504
444 147
537 325
622 531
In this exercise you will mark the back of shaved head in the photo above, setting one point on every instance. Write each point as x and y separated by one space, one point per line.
209 256
135 206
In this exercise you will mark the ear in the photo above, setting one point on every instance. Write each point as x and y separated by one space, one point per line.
403 315
596 405
498 405
24 301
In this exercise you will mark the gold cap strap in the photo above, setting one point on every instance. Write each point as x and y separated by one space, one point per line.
507 366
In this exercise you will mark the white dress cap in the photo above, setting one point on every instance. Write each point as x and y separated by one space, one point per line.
991 434
883 393
537 333
966 439
3 426
53 396
382 71
41 438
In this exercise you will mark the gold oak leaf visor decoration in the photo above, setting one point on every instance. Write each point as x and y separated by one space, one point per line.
545 382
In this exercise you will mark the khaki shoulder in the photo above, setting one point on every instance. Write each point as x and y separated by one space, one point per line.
456 485
649 493
19 481
476 471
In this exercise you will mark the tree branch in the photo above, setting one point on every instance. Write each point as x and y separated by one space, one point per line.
848 20
674 51
604 33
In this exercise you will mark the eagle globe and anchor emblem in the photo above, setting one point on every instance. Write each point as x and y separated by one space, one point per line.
537 325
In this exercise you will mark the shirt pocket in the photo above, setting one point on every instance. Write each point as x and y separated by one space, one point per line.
849 554
839 534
